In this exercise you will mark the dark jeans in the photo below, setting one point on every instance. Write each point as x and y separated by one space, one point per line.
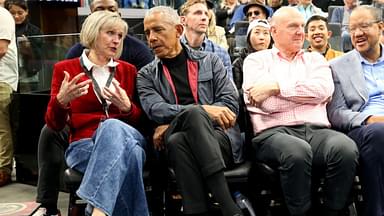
370 140
51 163
301 153
196 150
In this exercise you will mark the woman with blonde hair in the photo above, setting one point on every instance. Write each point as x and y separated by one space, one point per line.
95 95
216 33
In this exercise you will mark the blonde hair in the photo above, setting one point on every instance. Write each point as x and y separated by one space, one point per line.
189 3
98 21
212 23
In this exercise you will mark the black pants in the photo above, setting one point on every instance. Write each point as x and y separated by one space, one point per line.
370 140
305 152
51 163
196 149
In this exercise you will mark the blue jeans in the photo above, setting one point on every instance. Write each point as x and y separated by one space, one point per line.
112 163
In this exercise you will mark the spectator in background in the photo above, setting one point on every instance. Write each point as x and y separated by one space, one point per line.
254 9
378 4
324 4
286 91
134 50
258 38
143 4
275 4
225 11
308 9
8 83
290 2
189 96
357 106
341 15
194 17
317 34
52 144
30 48
216 33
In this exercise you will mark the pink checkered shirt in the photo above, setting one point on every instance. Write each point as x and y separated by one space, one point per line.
306 86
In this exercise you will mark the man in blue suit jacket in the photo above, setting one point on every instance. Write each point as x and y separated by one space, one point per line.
357 107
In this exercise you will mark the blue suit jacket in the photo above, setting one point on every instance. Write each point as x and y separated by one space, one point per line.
351 93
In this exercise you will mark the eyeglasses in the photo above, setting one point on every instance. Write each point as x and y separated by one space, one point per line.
364 27
256 13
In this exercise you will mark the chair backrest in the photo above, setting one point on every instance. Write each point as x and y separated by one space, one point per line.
331 8
335 40
241 32
240 37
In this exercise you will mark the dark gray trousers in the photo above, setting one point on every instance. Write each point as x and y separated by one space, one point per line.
370 140
196 150
303 152
51 163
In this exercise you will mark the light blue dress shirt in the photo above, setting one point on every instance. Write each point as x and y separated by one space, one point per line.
374 76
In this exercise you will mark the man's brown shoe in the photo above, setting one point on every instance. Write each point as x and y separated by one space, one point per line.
5 178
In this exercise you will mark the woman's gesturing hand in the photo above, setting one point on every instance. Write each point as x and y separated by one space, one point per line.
70 89
118 96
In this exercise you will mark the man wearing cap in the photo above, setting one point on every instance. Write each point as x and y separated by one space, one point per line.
255 9
286 91
194 17
317 34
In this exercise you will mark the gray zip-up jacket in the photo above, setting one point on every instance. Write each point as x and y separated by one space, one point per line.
210 85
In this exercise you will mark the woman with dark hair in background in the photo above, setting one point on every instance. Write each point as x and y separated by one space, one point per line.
29 47
258 38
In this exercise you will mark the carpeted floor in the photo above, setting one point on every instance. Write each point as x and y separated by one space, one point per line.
15 193
18 209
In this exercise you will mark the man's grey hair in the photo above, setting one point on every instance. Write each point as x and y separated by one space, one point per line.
169 14
376 12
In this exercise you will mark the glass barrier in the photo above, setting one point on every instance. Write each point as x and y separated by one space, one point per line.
37 55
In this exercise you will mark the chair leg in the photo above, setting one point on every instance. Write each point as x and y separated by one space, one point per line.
352 210
75 206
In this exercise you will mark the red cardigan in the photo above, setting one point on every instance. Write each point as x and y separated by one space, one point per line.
84 113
